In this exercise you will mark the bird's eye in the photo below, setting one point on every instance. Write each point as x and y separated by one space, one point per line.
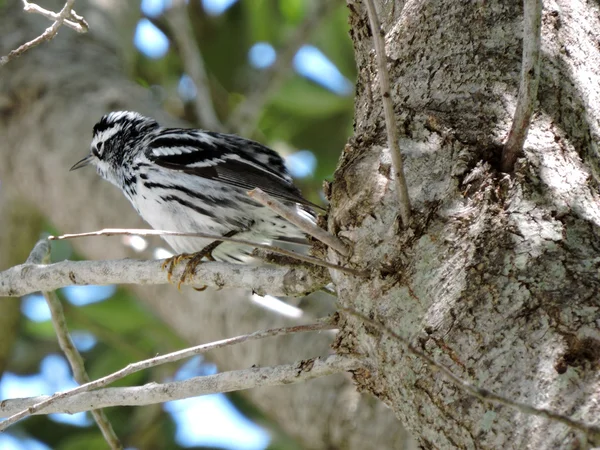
97 149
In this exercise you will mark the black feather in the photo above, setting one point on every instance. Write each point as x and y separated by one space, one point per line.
232 172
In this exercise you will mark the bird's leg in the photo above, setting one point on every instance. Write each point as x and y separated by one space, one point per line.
194 260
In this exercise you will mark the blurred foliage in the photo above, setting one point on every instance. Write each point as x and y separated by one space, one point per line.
301 115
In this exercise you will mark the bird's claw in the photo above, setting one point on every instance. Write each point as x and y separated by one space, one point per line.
170 263
190 268
195 259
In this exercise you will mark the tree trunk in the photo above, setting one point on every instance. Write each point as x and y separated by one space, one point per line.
49 100
497 275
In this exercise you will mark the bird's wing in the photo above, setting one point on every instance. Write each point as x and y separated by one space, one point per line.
226 159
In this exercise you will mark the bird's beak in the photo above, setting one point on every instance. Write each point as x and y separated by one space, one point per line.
84 162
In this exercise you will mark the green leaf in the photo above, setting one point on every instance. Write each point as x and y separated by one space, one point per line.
259 14
293 10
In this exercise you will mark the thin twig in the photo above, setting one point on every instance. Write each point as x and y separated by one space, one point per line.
143 232
41 255
59 397
47 35
72 21
304 224
528 86
390 117
40 251
244 118
77 366
482 394
153 393
192 60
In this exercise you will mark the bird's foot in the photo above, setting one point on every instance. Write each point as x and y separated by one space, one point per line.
195 259
171 262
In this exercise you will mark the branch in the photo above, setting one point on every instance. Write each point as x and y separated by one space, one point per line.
48 402
530 76
39 254
28 278
191 57
73 20
593 432
244 118
388 110
304 224
271 248
47 35
159 393
77 366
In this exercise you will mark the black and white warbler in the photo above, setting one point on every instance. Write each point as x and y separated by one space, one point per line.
190 180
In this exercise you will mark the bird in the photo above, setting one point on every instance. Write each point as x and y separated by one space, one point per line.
191 180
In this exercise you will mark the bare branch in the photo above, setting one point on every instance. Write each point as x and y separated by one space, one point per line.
304 224
191 57
47 35
158 393
593 432
164 359
64 338
40 252
530 76
245 117
390 117
77 366
28 278
73 20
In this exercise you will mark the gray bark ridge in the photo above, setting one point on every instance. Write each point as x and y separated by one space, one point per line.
498 276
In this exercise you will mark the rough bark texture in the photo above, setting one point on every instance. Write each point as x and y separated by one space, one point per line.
497 277
49 100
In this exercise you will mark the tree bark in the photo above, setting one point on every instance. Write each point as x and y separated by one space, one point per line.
49 100
497 275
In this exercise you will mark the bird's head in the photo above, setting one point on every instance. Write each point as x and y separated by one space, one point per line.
115 142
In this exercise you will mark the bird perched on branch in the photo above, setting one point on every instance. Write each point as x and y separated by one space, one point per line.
190 180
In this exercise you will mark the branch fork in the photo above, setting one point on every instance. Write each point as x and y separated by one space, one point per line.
66 17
